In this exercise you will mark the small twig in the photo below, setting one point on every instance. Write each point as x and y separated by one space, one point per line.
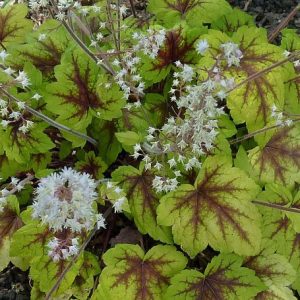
259 131
283 24
247 5
50 121
74 259
266 70
276 206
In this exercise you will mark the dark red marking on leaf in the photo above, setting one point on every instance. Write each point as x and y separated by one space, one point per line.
143 182
9 223
49 57
277 151
91 166
146 273
6 29
282 224
214 286
208 195
83 96
183 6
175 49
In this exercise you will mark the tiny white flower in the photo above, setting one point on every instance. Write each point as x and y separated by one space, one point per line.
202 46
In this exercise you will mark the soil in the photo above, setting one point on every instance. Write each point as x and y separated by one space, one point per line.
14 283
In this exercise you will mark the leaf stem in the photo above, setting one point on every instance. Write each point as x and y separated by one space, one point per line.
50 121
276 206
283 23
74 259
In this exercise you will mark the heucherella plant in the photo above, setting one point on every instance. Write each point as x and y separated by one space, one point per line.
149 156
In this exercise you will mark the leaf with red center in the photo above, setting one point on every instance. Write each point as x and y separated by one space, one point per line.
45 53
279 160
231 22
92 165
194 12
80 93
13 25
279 228
216 211
223 279
178 46
143 201
130 274
252 101
45 272
19 146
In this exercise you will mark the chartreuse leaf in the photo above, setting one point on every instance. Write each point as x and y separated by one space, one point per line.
46 272
84 281
215 211
230 22
13 25
130 274
80 93
195 12
279 159
279 228
251 102
43 53
92 165
276 293
143 201
224 278
19 146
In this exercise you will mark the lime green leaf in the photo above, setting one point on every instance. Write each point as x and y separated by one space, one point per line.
13 24
279 160
226 126
195 12
131 274
92 165
215 211
252 102
44 271
128 138
143 201
230 22
276 293
10 167
4 253
224 278
29 241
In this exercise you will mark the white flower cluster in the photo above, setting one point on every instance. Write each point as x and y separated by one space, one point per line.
191 133
14 113
232 53
65 201
128 78
149 43
62 249
280 120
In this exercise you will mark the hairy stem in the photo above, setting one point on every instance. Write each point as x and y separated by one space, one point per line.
276 206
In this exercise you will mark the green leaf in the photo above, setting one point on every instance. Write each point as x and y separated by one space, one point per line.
215 211
13 24
224 278
226 126
195 12
231 22
80 93
279 160
128 138
30 240
131 274
92 165
44 271
143 201
276 293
